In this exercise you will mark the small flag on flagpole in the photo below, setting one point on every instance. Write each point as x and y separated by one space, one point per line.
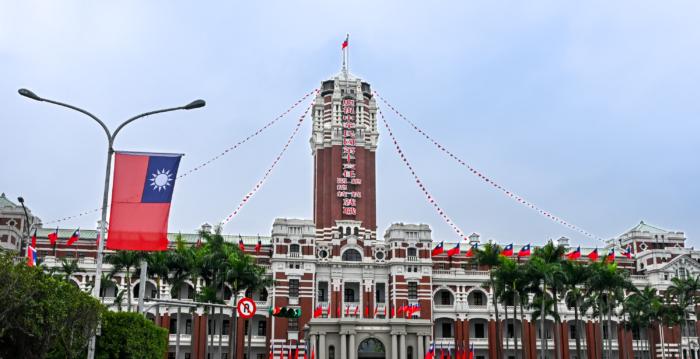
53 236
74 238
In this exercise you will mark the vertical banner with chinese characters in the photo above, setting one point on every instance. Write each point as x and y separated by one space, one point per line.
346 186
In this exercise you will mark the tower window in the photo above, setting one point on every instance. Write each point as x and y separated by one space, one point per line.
348 231
357 231
294 248
340 229
349 295
293 288
412 290
411 252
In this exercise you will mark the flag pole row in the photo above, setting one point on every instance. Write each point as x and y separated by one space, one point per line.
244 200
420 185
213 159
489 181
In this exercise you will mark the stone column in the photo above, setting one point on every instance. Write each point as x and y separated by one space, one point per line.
402 345
351 345
427 343
312 340
394 347
420 353
322 346
343 347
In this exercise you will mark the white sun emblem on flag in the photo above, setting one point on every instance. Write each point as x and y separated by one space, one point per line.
161 179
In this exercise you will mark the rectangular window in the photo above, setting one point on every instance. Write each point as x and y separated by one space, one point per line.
69 254
188 326
379 296
479 330
321 294
262 328
44 253
349 295
478 298
173 326
463 266
293 288
188 356
262 260
479 357
572 331
511 331
635 334
446 330
171 355
605 332
412 290
411 252
441 265
224 330
293 324
446 298
154 294
261 356
246 327
81 255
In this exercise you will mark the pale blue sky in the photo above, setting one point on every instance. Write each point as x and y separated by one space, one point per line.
589 111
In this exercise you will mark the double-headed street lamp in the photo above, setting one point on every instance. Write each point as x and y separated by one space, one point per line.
110 151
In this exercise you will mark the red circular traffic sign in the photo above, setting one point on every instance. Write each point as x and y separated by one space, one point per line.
246 308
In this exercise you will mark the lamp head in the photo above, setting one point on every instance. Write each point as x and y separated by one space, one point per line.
20 199
195 104
29 94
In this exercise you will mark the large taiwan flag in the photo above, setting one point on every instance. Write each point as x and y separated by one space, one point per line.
141 195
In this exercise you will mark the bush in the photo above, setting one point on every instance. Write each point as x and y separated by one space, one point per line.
129 335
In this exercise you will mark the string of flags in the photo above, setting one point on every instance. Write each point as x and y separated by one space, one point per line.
490 181
420 185
244 200
213 159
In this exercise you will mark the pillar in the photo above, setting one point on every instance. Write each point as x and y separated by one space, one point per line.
420 353
427 343
353 350
343 347
394 347
402 345
322 346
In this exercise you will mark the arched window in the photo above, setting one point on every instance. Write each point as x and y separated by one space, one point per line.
340 229
352 255
227 293
373 347
357 231
348 231
294 248
409 353
331 352
249 294
263 294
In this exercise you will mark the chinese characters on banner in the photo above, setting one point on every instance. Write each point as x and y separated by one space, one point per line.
349 195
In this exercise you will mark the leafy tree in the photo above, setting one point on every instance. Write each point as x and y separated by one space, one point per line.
130 336
69 268
541 271
16 288
106 282
125 261
490 257
575 275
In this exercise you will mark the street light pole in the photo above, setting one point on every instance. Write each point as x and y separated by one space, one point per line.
105 196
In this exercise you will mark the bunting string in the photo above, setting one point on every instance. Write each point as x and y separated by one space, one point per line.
490 181
418 182
245 200
213 159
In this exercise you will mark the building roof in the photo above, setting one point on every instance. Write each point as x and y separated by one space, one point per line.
602 251
643 227
4 202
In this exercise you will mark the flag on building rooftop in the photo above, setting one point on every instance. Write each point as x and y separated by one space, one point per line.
258 246
53 236
593 256
470 253
240 243
575 254
34 239
345 43
524 251
508 250
74 237
628 253
141 197
199 242
611 256
453 251
438 249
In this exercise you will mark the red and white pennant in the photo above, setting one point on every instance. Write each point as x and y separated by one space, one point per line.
432 201
271 167
488 181
213 159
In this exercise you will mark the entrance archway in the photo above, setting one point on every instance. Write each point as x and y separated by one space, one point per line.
371 348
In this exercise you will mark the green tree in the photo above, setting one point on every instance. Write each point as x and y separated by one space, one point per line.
575 275
507 276
490 257
554 254
125 261
106 282
69 268
16 288
130 336
547 273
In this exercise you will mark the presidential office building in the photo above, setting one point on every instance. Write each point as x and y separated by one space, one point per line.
339 262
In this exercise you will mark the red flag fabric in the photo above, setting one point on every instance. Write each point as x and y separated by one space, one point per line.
438 249
356 310
296 352
258 246
338 310
593 256
241 245
575 254
53 237
141 197
272 351
34 239
74 238
453 251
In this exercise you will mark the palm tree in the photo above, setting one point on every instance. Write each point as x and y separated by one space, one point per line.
125 261
683 293
118 301
592 301
243 274
68 269
639 307
554 253
506 276
159 269
547 274
575 275
490 257
547 307
105 283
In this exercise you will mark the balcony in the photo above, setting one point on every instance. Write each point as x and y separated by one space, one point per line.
412 259
262 304
478 308
444 307
460 273
294 255
184 338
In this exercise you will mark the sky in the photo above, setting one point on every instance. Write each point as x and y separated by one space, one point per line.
589 111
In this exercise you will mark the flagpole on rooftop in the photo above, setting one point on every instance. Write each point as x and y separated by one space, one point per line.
105 196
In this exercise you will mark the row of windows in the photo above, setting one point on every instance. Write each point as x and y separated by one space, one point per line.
69 255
